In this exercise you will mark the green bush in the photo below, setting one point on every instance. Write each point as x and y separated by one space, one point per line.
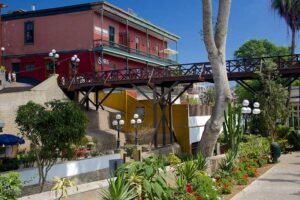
283 131
206 188
9 165
10 186
172 159
294 139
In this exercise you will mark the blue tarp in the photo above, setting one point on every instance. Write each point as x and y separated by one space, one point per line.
8 139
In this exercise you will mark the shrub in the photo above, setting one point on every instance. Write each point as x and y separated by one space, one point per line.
283 131
172 159
206 188
225 185
294 139
10 186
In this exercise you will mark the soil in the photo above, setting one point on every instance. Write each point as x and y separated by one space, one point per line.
237 188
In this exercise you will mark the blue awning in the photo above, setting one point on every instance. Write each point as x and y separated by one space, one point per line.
9 139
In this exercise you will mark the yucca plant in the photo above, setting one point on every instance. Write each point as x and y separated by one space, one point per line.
201 162
227 165
232 128
118 189
188 170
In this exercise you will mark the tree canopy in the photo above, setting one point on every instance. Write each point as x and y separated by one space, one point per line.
50 128
260 48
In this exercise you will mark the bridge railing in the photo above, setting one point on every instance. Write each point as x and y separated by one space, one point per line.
181 70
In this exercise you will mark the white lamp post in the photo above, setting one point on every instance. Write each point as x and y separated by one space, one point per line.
118 123
75 62
2 55
246 111
54 57
135 122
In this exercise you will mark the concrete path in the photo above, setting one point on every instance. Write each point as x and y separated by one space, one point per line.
281 182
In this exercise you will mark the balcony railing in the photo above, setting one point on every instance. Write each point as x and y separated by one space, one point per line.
104 43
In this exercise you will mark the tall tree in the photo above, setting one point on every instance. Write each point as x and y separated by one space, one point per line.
215 43
290 11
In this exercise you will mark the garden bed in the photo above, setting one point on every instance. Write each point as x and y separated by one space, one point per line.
238 188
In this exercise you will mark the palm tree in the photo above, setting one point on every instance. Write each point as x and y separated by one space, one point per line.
290 11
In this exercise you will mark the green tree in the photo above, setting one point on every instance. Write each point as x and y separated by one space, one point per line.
260 48
289 10
269 87
209 96
50 128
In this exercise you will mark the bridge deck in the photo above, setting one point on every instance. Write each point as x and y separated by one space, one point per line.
241 69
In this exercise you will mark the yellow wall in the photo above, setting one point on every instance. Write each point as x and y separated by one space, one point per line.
127 105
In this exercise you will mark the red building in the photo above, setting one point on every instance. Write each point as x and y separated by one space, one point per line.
103 36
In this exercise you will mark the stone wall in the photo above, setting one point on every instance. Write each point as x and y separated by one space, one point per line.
9 102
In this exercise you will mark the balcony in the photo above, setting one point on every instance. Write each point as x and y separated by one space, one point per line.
121 49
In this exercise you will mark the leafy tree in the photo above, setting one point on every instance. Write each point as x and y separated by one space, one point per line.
50 128
260 48
209 96
290 11
272 98
270 90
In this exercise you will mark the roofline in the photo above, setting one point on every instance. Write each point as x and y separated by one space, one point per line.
133 19
86 7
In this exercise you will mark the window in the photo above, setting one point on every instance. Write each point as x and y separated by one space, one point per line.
137 44
28 32
157 49
111 36
29 67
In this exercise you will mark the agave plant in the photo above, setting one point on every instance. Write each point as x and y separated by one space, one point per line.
201 162
118 189
188 170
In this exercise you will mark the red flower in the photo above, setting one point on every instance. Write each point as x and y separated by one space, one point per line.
189 188
226 185
199 198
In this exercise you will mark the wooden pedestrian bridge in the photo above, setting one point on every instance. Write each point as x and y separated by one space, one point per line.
238 70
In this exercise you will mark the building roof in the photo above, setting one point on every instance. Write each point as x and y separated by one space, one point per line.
21 14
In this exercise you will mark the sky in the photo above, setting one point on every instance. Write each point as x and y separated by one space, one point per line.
248 20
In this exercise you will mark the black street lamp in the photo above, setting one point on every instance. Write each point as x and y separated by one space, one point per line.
118 123
135 122
54 57
247 111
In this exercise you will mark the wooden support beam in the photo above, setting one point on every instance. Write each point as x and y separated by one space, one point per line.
247 86
106 96
183 91
155 115
163 94
141 91
170 117
86 95
97 100
163 112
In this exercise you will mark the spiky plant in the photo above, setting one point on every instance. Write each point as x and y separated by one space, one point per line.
118 189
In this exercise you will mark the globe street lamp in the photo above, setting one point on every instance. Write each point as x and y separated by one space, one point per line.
54 57
2 55
75 62
118 123
246 111
135 122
